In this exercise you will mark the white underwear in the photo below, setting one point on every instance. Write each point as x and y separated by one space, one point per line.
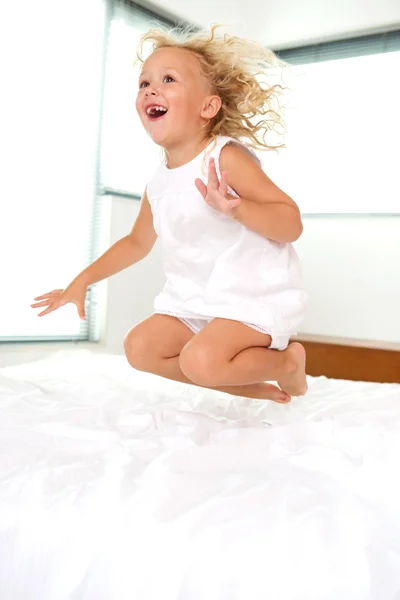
278 341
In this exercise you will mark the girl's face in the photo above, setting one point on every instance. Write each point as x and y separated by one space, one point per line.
171 97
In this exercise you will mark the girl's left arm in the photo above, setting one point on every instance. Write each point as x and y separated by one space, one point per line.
264 207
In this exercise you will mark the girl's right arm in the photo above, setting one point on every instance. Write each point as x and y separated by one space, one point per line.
125 252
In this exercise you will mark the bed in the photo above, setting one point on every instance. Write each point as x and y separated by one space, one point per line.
117 485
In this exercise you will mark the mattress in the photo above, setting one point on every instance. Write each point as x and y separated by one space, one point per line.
117 485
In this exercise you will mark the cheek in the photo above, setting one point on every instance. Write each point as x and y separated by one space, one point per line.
179 101
140 109
138 103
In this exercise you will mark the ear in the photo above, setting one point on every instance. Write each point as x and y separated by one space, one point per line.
211 107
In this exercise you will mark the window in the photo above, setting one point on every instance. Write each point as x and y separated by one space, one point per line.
49 140
59 85
343 127
128 156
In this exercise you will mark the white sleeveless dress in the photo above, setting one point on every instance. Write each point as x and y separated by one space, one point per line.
215 266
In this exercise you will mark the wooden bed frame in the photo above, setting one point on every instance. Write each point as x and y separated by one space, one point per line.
356 361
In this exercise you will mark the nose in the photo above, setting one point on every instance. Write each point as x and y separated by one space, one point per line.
150 92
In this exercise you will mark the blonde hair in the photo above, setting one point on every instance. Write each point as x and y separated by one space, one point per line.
236 70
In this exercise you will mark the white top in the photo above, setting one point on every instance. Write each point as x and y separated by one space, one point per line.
215 266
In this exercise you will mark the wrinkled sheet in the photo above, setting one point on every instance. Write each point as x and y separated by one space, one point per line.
117 485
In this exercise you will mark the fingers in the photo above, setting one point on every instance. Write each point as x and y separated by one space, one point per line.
45 300
201 187
234 202
39 304
48 310
51 300
47 295
81 311
223 186
212 174
56 299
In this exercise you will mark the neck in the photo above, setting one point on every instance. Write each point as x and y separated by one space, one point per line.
183 152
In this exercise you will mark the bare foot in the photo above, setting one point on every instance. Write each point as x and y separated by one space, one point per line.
261 391
267 391
294 381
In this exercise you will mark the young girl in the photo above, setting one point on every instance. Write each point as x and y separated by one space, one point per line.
233 296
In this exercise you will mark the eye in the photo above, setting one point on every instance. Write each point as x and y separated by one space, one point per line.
168 79
143 84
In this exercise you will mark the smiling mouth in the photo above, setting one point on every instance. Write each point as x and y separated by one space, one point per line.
156 112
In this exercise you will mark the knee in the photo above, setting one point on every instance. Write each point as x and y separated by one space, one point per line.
137 350
200 365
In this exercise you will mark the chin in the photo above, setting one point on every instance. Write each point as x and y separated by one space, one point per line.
162 138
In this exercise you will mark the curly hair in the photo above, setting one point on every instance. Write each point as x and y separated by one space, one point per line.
237 70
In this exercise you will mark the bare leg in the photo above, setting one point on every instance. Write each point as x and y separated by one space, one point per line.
170 369
155 346
227 352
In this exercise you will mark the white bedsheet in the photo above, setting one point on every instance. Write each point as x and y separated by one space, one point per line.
118 485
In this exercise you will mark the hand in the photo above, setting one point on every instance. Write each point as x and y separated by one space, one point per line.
74 293
216 193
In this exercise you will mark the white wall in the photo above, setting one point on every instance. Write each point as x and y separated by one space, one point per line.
351 270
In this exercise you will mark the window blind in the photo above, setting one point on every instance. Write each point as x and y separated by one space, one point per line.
51 100
380 43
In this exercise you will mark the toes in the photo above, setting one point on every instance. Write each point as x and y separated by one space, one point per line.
283 398
274 393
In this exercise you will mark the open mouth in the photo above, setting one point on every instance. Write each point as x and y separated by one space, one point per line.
156 112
